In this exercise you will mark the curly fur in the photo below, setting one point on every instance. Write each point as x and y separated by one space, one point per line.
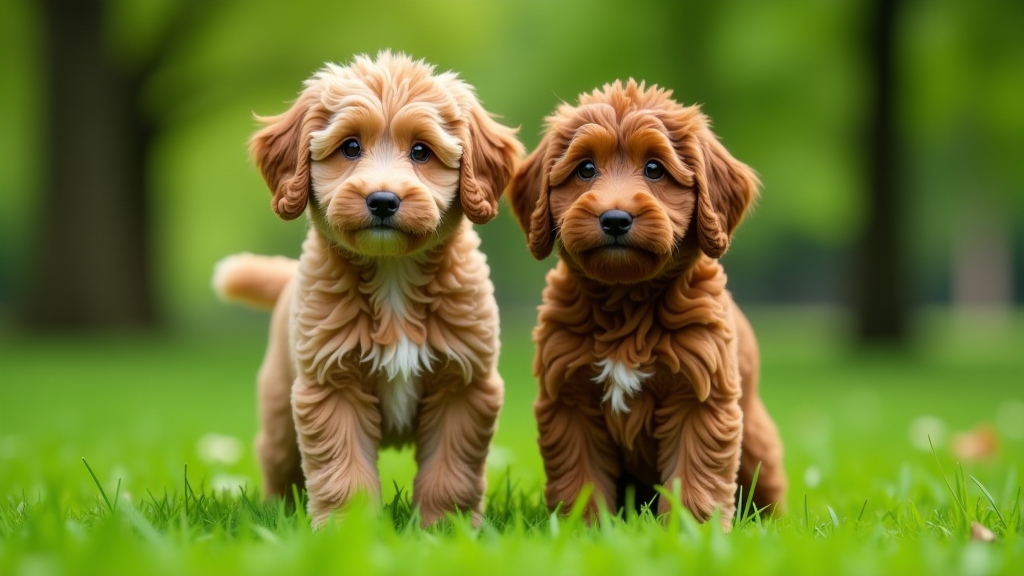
384 332
648 370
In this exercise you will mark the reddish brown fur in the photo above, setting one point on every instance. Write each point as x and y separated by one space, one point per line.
382 335
650 319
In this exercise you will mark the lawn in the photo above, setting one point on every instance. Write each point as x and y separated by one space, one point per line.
867 493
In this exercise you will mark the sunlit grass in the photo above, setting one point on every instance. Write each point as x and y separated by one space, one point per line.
171 484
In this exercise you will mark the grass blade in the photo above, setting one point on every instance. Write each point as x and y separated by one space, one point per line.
100 486
579 507
186 491
961 485
554 526
737 517
300 509
991 501
117 494
750 493
862 509
629 510
1015 515
942 472
835 520
745 516
148 532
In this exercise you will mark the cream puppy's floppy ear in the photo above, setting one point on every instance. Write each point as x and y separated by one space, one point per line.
490 154
528 195
281 151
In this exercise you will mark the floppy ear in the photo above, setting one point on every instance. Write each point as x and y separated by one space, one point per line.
490 154
281 152
528 195
726 187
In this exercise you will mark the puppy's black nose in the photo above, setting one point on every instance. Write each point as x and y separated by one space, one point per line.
383 204
616 222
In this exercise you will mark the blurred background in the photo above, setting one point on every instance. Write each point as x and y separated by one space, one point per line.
888 136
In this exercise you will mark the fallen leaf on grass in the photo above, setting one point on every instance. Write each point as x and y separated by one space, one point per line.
978 444
980 533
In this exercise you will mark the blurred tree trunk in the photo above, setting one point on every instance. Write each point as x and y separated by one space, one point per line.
982 258
882 279
981 286
91 264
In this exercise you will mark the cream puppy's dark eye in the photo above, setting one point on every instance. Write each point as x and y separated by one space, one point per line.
351 149
654 170
586 170
419 153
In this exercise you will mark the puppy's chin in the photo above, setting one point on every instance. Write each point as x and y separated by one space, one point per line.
382 241
619 264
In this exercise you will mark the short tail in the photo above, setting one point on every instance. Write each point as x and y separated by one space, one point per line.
252 279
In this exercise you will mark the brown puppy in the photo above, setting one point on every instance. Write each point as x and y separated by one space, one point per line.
386 330
648 370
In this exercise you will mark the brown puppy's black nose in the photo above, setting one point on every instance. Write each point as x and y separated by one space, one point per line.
616 222
383 204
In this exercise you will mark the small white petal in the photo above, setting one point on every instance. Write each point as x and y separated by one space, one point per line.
812 477
1010 419
229 483
499 458
924 427
219 448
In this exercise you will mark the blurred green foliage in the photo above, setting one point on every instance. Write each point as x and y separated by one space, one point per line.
785 83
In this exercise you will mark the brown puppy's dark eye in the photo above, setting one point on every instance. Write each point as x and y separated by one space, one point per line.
351 149
586 170
419 153
654 170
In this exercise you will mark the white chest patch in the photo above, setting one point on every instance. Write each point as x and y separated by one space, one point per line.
620 381
400 366
401 363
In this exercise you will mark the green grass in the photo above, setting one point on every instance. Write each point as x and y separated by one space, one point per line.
867 493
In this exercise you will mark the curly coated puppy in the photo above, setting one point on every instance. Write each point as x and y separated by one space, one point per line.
385 332
648 370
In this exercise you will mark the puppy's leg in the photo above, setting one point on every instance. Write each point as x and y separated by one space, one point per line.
455 427
339 437
577 448
761 442
762 445
699 443
276 444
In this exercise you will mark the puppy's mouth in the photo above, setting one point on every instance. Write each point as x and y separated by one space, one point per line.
618 245
383 225
386 226
620 262
382 239
615 251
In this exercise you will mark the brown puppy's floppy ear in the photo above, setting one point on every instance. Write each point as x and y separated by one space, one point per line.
528 195
490 154
726 187
281 151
